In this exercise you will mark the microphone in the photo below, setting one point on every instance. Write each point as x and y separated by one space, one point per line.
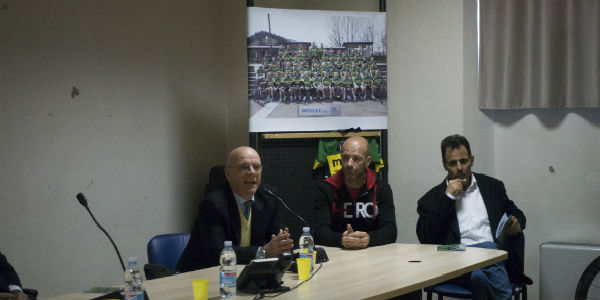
83 202
321 253
289 209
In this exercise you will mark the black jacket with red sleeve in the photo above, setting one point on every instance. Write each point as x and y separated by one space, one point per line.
372 212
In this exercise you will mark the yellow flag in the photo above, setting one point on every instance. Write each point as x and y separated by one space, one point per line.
335 163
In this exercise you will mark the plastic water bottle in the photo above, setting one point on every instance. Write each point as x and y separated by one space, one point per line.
228 271
307 247
133 281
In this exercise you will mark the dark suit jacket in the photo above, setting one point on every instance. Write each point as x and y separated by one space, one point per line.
8 275
219 220
438 223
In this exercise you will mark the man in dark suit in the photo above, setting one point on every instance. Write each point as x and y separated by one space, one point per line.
241 212
467 208
10 284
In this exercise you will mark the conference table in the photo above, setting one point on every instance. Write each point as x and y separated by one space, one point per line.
374 273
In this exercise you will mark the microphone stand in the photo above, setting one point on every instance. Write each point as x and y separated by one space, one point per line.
285 205
322 255
83 202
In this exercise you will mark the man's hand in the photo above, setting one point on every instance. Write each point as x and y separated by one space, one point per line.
14 295
354 239
514 228
5 296
455 186
279 243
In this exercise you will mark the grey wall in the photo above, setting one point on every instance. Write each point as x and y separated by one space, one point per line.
162 98
562 205
425 90
138 140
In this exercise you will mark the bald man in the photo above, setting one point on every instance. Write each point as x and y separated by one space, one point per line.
241 212
353 208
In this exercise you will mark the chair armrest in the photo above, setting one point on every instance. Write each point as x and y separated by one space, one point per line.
31 293
153 271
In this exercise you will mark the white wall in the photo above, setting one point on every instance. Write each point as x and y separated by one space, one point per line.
562 205
138 140
425 79
238 109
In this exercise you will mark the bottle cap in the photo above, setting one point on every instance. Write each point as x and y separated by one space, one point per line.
132 260
228 244
306 229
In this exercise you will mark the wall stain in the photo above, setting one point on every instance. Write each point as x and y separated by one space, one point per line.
74 92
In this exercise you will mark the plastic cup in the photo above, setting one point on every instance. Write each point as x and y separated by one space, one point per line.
314 256
303 268
200 289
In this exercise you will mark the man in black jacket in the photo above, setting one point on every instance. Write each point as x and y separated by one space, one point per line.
10 284
353 209
467 208
242 212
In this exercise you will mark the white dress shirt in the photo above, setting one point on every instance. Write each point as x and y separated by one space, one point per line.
13 288
473 221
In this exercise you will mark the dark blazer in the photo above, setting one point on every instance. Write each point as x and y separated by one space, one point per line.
438 223
8 275
219 220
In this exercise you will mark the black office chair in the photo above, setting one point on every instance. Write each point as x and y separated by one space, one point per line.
216 179
31 293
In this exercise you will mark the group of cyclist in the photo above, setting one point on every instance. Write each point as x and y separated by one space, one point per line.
319 74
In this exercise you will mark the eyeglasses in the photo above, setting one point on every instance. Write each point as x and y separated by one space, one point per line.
247 168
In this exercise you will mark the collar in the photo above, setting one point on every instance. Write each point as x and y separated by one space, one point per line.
337 180
469 189
240 200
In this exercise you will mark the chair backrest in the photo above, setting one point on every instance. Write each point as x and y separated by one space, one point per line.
216 179
165 249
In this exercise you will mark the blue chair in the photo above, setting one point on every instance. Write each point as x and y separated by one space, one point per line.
455 291
514 265
164 251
